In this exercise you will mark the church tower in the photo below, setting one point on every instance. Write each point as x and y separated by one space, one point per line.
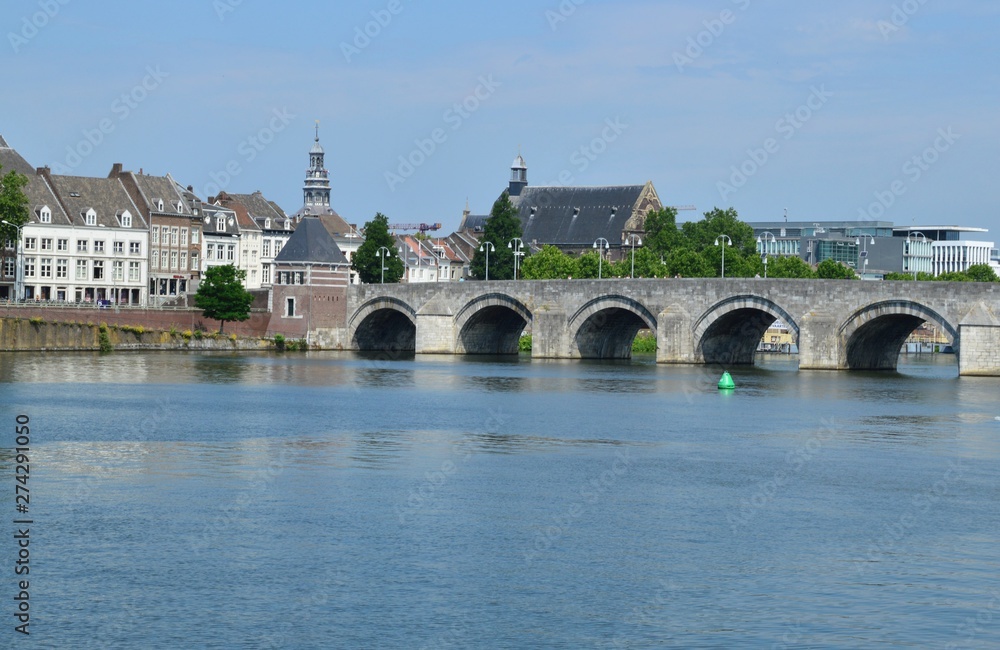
316 192
518 176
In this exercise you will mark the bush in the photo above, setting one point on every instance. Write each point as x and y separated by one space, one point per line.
524 343
198 334
103 340
36 320
645 343
279 342
232 337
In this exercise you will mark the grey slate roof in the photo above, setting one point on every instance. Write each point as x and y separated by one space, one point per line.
259 207
39 195
12 161
107 196
333 221
311 243
155 188
576 216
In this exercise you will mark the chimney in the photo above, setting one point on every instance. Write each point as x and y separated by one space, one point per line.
116 170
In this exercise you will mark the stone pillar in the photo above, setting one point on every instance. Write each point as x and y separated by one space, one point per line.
436 328
674 338
819 343
979 355
549 335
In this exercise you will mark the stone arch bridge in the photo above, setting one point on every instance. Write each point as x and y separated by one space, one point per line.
838 324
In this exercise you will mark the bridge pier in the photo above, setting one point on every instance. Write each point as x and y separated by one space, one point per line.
979 348
819 343
674 343
549 335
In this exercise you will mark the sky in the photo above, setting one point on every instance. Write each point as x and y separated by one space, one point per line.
854 110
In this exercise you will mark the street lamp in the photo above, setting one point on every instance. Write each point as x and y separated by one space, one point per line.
488 246
763 244
633 239
725 240
382 252
601 245
910 245
19 271
515 245
862 240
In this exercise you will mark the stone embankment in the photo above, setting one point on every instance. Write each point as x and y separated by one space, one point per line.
38 334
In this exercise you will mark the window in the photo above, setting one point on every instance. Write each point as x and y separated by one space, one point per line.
30 243
81 269
231 252
133 271
81 246
194 235
173 236
62 268
118 270
290 307
194 261
155 235
265 274
219 252
210 250
155 263
134 248
184 261
29 267
90 217
62 244
46 244
8 267
99 246
184 236
173 260
98 269
166 235
45 216
220 224
45 267
246 257
126 219
118 247
266 248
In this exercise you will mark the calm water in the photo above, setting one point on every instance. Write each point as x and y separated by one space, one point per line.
333 501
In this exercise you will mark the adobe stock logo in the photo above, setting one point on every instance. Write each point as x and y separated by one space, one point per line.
31 25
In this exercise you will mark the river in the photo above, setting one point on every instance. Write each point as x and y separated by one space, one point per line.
329 500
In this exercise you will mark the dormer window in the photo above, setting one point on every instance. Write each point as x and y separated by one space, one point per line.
180 206
220 223
159 204
45 215
267 223
125 218
90 217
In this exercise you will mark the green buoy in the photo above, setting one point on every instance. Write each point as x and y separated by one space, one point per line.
726 383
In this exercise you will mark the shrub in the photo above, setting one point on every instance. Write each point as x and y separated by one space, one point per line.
279 342
36 320
232 337
524 343
173 331
198 334
103 340
645 343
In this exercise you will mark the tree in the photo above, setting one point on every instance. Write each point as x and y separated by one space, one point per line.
501 227
549 264
831 269
982 273
367 262
221 295
688 264
13 204
789 267
662 235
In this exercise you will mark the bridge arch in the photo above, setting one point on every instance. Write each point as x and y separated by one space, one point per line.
383 324
872 337
605 327
491 324
730 331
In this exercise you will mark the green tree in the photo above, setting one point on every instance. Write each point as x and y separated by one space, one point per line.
954 276
831 269
13 204
982 273
686 263
789 267
549 264
501 228
699 235
662 235
367 262
222 297
648 264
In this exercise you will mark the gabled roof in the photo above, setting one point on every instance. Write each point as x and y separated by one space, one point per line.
106 196
40 194
258 207
311 243
210 215
576 216
162 188
333 221
12 161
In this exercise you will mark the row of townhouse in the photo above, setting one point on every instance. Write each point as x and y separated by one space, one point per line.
133 239
432 260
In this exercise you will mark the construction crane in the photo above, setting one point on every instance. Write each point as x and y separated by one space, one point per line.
682 208
424 228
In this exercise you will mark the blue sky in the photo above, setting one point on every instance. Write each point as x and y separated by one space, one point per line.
847 110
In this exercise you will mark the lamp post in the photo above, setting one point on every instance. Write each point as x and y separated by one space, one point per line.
488 246
382 252
601 245
910 245
516 245
862 240
633 239
725 240
762 242
19 261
